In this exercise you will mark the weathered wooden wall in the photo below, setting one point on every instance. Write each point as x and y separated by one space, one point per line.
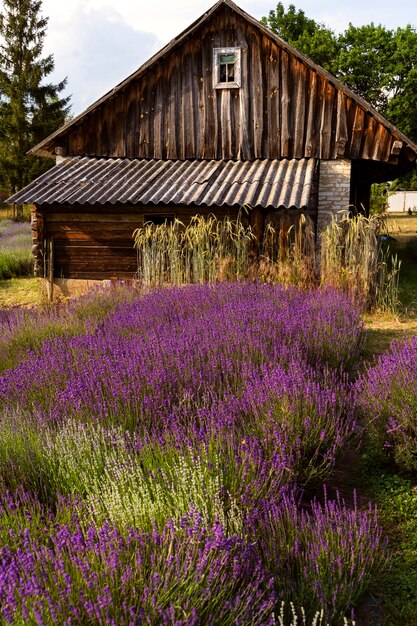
91 243
285 108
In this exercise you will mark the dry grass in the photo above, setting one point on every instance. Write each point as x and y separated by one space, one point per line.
402 225
382 329
17 292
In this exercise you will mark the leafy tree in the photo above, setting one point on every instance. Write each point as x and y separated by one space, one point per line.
365 62
30 107
402 104
314 40
379 197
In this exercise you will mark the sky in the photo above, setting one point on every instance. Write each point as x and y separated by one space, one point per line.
97 43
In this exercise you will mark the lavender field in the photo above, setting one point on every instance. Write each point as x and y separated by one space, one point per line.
163 459
15 249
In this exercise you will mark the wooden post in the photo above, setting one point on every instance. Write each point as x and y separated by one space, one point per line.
50 248
37 227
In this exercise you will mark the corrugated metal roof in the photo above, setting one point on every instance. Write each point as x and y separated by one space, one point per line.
264 183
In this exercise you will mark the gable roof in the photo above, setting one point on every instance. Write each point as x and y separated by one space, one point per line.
44 147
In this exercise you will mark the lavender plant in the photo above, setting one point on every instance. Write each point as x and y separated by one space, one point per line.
387 397
15 249
141 364
323 558
297 419
23 331
187 575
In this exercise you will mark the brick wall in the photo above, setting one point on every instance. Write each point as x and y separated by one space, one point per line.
334 190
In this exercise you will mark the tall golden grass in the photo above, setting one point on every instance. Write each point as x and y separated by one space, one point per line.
354 259
349 255
206 250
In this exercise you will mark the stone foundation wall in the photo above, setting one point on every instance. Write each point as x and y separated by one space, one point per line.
334 190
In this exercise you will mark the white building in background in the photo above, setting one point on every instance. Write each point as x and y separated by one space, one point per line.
401 201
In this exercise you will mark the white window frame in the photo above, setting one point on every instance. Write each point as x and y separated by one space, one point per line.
217 83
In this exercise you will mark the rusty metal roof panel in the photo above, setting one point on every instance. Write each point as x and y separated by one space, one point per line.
264 183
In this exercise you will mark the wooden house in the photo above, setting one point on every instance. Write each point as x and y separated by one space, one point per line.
226 115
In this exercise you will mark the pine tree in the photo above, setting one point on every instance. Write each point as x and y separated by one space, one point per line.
30 107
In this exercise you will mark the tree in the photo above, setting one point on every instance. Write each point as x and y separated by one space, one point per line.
365 62
314 40
30 107
402 104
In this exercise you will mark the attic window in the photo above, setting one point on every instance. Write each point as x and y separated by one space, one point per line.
226 68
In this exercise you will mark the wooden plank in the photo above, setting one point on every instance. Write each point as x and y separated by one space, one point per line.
93 218
188 143
92 238
65 271
298 71
326 125
341 138
144 105
272 94
120 120
369 134
243 143
173 140
310 140
382 144
107 250
285 106
131 127
224 101
357 133
204 91
256 94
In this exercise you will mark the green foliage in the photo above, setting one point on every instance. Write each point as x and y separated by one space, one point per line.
309 37
402 105
30 108
396 497
408 182
379 198
364 62
388 400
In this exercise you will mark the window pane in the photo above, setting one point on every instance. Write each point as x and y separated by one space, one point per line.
223 73
227 58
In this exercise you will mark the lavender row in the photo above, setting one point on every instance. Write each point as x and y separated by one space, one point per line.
151 356
387 397
189 573
23 331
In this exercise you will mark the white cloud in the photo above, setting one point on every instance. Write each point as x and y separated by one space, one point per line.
96 49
